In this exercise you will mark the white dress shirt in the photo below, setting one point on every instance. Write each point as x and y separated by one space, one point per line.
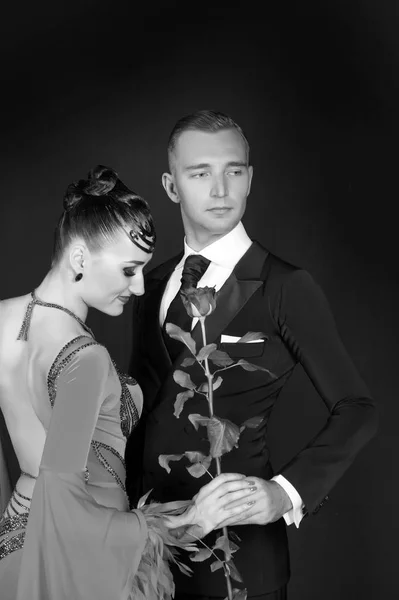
224 254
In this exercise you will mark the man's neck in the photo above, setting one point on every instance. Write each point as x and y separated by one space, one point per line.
199 240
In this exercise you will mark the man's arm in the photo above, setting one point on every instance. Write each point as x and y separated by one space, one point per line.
307 327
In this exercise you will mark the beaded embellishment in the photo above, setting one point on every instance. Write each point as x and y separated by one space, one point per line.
23 333
129 414
58 365
14 500
97 447
10 523
10 544
28 475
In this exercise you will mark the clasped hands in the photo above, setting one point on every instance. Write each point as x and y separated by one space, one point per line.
234 499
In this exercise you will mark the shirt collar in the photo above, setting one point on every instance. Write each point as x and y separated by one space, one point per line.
226 251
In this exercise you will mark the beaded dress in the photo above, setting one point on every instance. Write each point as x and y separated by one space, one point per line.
76 537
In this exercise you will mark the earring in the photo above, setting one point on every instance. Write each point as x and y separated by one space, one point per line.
78 276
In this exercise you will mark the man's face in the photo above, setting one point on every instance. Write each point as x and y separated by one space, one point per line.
212 180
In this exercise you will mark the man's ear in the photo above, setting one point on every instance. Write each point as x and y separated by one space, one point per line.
169 185
251 172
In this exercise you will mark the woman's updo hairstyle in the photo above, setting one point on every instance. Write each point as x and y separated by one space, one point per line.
97 208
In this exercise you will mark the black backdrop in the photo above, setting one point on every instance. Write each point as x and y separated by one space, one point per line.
315 87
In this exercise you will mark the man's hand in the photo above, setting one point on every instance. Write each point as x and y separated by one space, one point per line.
271 502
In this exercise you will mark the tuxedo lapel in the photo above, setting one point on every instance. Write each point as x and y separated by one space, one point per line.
234 294
231 298
155 288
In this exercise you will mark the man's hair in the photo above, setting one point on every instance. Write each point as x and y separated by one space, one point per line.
209 121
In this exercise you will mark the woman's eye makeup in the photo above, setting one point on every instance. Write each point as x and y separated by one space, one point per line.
129 272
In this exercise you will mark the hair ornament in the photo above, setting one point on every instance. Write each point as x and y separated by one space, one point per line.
144 233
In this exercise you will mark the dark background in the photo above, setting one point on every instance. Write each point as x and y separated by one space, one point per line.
315 87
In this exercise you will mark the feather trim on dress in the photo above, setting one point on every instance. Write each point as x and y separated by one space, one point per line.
153 579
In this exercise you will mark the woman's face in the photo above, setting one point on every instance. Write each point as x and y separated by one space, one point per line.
113 274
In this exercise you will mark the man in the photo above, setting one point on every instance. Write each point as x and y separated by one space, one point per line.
210 178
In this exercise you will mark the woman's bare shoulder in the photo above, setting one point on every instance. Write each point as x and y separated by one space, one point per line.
12 312
11 307
15 301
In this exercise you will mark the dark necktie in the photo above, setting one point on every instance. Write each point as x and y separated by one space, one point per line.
195 266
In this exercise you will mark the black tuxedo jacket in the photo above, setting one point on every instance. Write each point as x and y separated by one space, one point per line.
268 295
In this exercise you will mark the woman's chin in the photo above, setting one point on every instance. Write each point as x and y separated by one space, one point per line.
113 310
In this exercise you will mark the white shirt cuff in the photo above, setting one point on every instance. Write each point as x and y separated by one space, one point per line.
295 515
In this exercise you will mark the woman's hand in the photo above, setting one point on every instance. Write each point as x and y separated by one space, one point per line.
227 496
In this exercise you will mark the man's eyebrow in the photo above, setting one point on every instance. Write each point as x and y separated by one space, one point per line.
232 163
197 166
237 163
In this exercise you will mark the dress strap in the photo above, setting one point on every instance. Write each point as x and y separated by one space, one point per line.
28 475
23 332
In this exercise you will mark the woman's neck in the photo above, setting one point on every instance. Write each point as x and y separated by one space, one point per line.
57 289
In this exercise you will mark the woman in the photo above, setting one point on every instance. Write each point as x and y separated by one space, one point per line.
67 531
